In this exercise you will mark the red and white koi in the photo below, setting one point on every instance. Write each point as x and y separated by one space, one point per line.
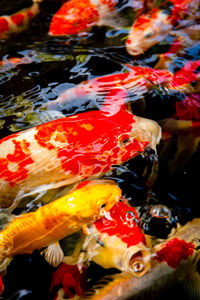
110 92
70 149
18 22
171 262
116 241
152 27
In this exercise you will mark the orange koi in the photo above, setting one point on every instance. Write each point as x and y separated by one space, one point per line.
18 21
152 27
70 149
57 219
76 16
171 262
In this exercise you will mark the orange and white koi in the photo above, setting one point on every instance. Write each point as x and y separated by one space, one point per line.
57 219
116 241
76 16
152 27
18 21
173 261
70 149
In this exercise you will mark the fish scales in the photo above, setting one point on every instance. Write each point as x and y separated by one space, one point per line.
70 149
57 219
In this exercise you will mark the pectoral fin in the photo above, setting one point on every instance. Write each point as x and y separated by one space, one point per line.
53 254
191 286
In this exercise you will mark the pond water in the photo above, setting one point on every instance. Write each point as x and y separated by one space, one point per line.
50 65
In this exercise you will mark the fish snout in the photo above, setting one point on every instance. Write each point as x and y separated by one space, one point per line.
147 130
134 47
137 262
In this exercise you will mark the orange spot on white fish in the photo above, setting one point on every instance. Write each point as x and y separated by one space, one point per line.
88 126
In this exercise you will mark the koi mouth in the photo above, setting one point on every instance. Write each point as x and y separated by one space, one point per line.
138 262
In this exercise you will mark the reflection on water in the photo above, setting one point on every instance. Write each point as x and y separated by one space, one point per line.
36 69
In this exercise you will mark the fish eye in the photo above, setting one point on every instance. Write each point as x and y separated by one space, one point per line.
148 34
138 267
124 139
103 205
130 215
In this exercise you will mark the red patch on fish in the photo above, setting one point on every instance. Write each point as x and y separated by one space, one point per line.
74 16
174 251
123 222
18 19
13 167
30 14
70 278
188 108
188 74
4 26
83 143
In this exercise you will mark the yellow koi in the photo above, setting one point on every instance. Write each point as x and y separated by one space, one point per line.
57 219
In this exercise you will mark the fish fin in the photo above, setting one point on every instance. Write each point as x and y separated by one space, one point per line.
5 263
53 254
191 286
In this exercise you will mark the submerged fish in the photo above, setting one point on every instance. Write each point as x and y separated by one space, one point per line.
70 149
109 93
57 219
116 241
76 16
152 27
18 21
173 261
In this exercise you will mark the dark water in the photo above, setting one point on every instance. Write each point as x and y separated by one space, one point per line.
56 64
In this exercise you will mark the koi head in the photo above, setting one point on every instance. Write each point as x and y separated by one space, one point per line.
116 241
92 199
148 30
171 262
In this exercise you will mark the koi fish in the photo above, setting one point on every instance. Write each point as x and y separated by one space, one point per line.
76 16
186 80
184 125
110 92
172 262
70 149
18 21
152 27
57 219
184 39
116 241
